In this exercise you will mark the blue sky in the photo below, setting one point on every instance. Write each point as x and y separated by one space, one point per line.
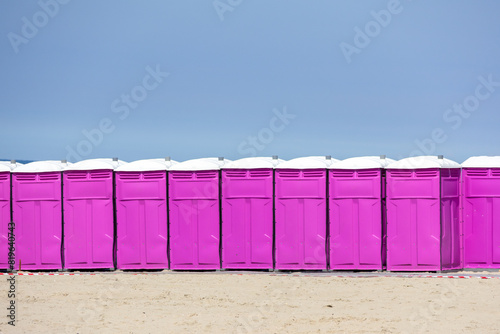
88 79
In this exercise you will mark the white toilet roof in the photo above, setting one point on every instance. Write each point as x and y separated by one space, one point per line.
146 165
424 161
253 163
95 164
305 163
482 162
4 168
10 164
199 164
41 167
366 162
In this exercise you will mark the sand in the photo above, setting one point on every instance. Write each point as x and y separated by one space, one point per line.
251 303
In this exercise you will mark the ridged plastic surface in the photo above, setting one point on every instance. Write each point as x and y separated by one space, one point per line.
247 218
141 214
194 220
481 203
88 219
38 217
300 205
356 230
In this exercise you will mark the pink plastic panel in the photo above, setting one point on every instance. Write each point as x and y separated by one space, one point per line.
413 220
450 219
300 219
356 219
194 220
4 219
247 219
141 210
384 219
481 203
88 219
38 217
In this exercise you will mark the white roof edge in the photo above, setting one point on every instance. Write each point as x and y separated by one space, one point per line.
168 163
95 164
199 164
146 165
328 159
364 162
482 162
304 163
253 163
424 161
10 165
5 168
41 167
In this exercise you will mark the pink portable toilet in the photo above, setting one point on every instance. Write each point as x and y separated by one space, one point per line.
141 214
89 214
423 225
481 212
356 211
5 217
247 213
194 215
300 214
37 214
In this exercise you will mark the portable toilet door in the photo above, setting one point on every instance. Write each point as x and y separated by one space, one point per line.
423 225
141 214
356 207
5 216
88 194
247 213
481 212
301 214
37 215
194 215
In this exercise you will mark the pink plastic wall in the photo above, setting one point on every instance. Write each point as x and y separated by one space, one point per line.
384 219
194 220
355 210
88 219
300 206
4 219
423 227
38 218
141 215
481 215
247 219
451 228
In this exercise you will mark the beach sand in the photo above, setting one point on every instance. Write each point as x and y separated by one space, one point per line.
251 303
